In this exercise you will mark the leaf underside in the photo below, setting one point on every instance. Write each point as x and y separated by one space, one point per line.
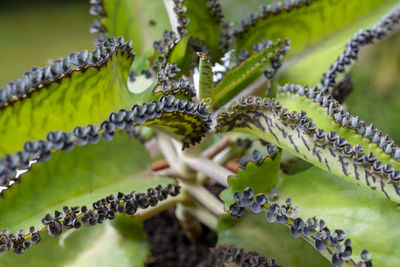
297 133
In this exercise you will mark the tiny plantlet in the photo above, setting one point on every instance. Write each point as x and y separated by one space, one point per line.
240 130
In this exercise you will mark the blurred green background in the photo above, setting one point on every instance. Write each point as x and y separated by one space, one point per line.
32 32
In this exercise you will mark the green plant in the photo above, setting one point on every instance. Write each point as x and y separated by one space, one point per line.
170 140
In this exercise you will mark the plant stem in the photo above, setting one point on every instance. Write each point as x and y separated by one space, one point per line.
168 150
209 168
152 147
223 156
144 214
205 198
159 165
168 172
204 216
217 147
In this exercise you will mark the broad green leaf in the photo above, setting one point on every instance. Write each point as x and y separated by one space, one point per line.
141 21
206 83
143 88
291 164
268 120
235 10
370 218
255 233
82 97
121 242
262 178
199 29
246 72
173 45
310 24
319 114
182 54
181 119
79 177
205 24
169 84
353 17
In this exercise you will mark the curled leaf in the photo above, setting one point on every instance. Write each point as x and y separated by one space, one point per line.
178 117
77 90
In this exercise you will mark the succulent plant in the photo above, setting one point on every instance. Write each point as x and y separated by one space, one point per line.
175 100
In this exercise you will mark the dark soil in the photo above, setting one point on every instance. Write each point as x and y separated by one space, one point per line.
214 188
170 246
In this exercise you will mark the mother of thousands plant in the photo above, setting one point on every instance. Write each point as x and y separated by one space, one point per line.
160 110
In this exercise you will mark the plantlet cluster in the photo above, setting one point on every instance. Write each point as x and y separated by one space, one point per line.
323 239
185 114
228 254
73 217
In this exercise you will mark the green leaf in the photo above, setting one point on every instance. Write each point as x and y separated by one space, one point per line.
136 247
246 72
182 53
121 242
178 118
138 83
351 16
200 27
296 132
307 25
206 83
253 232
84 96
173 47
79 177
321 117
206 25
141 21
262 178
143 88
235 10
168 85
370 218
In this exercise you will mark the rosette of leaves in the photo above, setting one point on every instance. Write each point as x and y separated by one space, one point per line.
96 142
